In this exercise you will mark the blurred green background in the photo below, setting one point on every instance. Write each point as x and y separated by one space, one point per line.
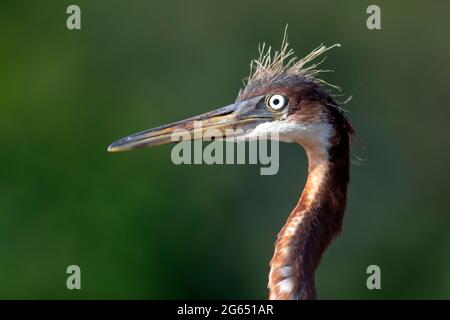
141 227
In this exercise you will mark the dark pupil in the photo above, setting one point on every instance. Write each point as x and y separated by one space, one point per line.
276 101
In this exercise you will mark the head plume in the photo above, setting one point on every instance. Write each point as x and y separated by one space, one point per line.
283 65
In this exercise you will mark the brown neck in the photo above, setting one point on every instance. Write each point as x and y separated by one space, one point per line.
312 225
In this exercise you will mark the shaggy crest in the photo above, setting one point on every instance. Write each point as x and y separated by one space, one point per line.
283 64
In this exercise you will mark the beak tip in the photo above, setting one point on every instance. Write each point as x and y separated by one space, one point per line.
113 148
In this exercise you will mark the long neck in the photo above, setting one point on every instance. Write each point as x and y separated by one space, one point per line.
312 225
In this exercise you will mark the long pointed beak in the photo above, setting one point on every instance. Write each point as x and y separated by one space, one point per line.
238 118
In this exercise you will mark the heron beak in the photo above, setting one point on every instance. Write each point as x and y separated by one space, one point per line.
240 116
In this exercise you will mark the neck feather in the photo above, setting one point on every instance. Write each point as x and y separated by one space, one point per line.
313 224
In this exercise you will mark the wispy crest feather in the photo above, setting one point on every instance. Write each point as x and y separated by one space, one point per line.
284 64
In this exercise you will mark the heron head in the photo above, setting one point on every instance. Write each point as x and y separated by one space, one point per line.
282 100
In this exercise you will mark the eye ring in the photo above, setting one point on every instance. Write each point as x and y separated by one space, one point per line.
277 102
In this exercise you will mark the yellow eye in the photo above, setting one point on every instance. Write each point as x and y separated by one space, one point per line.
277 102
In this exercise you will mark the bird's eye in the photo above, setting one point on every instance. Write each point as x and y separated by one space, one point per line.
277 102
